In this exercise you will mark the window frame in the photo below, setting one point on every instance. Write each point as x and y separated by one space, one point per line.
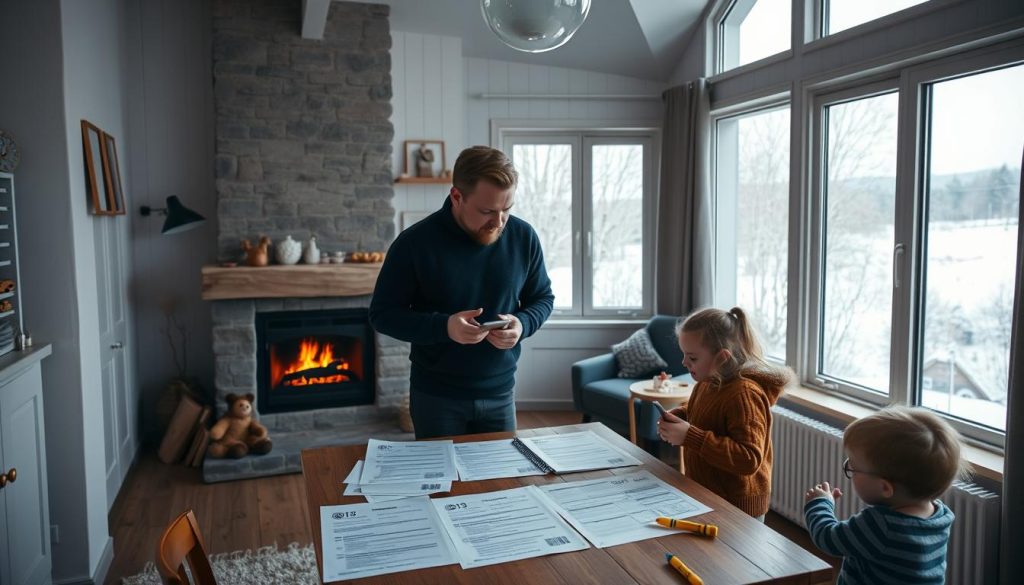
906 360
506 133
770 102
725 42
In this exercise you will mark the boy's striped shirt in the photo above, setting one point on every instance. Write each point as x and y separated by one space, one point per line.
881 546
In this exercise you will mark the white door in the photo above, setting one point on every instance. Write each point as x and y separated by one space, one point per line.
110 235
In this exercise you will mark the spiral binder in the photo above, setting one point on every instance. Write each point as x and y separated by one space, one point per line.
533 457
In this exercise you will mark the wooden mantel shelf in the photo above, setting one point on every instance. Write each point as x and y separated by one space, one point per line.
300 280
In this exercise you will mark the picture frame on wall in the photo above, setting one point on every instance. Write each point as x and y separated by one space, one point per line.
424 158
102 171
112 176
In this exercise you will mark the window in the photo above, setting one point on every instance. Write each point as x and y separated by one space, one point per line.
970 239
839 15
752 220
857 196
590 196
750 30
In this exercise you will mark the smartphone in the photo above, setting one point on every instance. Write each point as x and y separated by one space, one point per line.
499 324
661 409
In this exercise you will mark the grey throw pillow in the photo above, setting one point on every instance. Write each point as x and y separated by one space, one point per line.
637 357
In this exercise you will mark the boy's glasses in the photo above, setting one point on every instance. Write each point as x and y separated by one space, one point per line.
849 471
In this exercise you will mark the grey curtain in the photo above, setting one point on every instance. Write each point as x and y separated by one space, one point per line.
1012 541
685 261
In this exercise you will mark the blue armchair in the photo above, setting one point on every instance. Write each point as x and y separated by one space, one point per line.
601 395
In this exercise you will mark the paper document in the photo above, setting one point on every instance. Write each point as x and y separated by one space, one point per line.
492 459
354 489
408 461
620 509
360 540
571 452
506 525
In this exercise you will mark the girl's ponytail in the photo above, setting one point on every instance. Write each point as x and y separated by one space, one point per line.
746 337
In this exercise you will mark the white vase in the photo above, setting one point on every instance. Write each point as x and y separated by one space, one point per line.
288 251
311 255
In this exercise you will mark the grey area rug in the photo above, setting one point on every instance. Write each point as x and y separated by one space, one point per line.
295 564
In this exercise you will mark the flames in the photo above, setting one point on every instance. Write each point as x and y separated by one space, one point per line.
315 364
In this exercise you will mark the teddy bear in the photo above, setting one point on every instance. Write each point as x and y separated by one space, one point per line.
236 433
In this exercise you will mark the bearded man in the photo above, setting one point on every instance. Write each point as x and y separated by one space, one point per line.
465 265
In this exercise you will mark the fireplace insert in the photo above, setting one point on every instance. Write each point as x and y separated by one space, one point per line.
314 359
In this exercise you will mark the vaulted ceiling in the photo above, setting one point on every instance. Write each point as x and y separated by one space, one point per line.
636 38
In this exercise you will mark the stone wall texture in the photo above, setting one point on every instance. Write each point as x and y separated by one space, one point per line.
303 131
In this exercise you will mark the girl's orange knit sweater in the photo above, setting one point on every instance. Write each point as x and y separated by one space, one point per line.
728 448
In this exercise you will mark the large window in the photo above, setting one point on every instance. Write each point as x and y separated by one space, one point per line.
752 220
858 209
839 15
590 197
970 237
750 30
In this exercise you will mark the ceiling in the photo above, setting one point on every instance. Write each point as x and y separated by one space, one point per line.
636 38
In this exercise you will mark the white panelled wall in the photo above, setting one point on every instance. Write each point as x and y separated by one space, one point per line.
437 95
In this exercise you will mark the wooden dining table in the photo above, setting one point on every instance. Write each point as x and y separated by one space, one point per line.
745 551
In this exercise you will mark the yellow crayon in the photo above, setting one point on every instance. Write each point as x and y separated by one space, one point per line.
683 570
705 529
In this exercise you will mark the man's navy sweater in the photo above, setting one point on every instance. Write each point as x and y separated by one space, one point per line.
435 269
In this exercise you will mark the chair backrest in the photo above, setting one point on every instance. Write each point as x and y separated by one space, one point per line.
182 542
662 329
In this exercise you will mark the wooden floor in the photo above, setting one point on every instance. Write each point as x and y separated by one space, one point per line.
251 513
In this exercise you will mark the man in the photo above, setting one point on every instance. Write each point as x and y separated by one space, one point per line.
468 263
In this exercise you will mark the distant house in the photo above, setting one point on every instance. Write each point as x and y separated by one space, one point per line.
935 377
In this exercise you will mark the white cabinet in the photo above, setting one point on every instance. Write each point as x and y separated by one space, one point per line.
24 510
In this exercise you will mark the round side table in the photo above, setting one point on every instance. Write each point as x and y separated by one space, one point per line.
644 390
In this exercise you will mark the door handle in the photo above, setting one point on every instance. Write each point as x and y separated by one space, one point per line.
9 477
116 345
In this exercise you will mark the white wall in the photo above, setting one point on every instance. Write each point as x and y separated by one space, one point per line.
428 103
171 128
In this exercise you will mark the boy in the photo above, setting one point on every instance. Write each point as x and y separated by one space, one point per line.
900 460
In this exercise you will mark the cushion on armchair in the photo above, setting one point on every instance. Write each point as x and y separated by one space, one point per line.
637 357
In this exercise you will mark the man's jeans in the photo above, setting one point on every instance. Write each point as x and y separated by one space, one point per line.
434 416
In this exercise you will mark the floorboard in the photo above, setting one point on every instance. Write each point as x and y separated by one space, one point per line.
251 513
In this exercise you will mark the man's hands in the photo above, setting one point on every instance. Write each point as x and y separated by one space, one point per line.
463 328
823 490
508 337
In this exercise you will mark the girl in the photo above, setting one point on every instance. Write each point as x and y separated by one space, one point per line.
725 426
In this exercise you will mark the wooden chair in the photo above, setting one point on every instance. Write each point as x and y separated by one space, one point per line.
181 542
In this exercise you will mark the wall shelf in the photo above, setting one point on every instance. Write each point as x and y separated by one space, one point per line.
6 295
6 313
424 180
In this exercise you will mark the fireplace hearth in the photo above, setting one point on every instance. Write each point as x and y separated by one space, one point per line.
313 359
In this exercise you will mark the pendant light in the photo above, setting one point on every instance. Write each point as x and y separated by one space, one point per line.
535 26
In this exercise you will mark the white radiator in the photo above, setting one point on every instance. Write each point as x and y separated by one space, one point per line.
808 452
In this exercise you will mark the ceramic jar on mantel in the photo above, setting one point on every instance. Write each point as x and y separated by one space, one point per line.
311 254
288 251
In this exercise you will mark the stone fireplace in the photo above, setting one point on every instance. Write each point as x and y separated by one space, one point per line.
303 148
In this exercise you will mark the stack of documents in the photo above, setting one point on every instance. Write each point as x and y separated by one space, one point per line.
583 451
395 470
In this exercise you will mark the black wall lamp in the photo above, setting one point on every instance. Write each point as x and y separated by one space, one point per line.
179 217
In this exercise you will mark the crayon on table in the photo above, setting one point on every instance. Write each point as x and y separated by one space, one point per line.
705 529
683 570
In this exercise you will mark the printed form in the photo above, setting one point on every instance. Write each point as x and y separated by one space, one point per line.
580 451
506 525
360 540
622 508
492 459
390 491
408 461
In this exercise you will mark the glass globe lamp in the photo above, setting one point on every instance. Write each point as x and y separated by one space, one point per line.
535 26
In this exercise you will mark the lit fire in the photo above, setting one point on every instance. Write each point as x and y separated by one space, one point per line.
321 360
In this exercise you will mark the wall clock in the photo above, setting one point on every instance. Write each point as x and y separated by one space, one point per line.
9 153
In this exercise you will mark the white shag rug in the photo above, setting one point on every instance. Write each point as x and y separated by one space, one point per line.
295 564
